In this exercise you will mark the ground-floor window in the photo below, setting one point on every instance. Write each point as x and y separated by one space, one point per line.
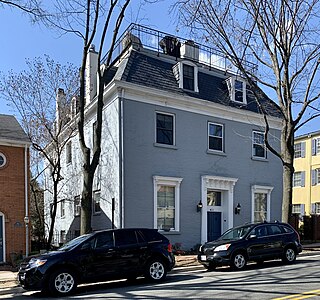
166 203
261 203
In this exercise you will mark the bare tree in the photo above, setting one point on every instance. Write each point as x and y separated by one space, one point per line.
99 22
282 37
32 93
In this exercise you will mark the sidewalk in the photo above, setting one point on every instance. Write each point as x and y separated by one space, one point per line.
8 279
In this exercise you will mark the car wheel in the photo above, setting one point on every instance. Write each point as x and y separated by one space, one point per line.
62 282
239 261
211 267
289 255
156 270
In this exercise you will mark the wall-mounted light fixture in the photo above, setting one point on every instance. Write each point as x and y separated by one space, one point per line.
237 209
199 206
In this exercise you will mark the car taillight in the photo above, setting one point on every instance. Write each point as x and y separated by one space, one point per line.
169 248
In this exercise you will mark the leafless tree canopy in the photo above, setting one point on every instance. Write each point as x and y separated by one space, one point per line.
282 38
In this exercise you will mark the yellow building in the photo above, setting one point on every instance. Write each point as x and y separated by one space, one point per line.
306 178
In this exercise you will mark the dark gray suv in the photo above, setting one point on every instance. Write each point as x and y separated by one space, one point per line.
251 242
99 256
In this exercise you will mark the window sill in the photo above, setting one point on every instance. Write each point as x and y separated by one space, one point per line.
173 147
259 159
215 152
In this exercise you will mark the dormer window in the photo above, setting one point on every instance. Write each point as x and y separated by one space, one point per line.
186 74
237 90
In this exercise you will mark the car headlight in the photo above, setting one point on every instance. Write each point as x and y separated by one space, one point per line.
33 263
224 247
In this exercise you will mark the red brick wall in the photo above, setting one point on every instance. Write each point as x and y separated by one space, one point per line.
12 199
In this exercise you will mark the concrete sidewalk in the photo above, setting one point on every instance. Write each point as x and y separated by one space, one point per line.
9 278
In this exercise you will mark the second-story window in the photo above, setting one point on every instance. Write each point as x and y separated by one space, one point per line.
298 179
315 176
62 208
69 153
299 150
215 137
165 129
258 145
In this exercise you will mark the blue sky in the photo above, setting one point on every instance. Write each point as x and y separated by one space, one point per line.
20 40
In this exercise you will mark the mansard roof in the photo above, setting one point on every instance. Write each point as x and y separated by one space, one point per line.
11 131
156 72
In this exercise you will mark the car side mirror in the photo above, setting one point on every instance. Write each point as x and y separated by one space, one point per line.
252 236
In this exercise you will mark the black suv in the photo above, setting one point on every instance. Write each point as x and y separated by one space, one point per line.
99 256
251 242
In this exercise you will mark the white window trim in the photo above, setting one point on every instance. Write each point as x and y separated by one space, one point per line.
170 181
155 128
253 143
63 208
231 82
265 190
214 150
4 160
195 74
3 236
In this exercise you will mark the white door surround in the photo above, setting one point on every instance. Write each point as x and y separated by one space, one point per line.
226 186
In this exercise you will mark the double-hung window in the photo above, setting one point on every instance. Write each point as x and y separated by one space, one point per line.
167 203
258 145
315 144
299 149
215 137
62 208
315 176
237 90
299 179
165 128
77 206
188 77
69 153
261 196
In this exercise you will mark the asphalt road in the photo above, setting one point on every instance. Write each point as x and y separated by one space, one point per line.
271 281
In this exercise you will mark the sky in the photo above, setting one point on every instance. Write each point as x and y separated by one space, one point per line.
21 40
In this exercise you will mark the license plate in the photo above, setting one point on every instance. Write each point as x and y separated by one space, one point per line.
203 257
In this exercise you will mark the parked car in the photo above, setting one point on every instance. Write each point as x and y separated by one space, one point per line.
256 242
99 256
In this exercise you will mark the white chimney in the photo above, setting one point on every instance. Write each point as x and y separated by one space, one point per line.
91 74
62 110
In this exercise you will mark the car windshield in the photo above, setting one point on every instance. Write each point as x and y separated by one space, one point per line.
236 233
75 242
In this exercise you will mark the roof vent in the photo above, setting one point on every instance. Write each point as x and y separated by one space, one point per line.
170 45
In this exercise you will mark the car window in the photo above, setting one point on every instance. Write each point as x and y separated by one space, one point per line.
260 231
274 229
152 235
125 237
104 240
286 229
236 233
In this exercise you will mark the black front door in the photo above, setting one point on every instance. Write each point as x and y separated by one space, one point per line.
213 225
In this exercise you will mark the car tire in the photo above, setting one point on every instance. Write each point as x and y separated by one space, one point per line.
62 282
156 270
289 255
211 267
238 261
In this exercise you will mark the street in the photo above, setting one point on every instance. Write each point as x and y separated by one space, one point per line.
271 281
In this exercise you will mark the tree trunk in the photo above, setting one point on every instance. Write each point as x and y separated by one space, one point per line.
86 203
53 213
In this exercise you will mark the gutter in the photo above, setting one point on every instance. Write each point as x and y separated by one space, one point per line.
26 218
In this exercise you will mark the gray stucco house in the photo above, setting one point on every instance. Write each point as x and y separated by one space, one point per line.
183 145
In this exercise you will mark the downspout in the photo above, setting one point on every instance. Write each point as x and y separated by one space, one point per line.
26 218
121 164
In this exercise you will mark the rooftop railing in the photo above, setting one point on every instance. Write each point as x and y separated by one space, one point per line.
161 42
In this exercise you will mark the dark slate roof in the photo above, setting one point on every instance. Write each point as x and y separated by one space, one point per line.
154 72
10 130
